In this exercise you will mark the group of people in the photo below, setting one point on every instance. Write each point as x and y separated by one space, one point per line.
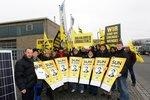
26 79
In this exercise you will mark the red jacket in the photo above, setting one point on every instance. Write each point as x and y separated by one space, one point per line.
60 54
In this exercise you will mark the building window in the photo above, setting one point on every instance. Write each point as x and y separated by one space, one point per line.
8 44
14 54
29 27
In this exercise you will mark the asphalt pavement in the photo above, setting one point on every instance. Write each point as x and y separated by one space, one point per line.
142 72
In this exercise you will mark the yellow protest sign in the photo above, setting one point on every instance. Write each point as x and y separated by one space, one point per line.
139 58
39 70
99 70
62 65
86 69
54 78
62 34
40 44
74 70
112 34
102 36
115 67
81 40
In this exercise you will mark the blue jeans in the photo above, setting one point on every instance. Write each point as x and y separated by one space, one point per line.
38 90
123 89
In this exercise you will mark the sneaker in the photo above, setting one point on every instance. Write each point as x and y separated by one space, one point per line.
81 91
73 90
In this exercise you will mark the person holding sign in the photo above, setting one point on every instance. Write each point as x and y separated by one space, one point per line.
45 57
121 81
112 54
101 52
83 54
73 85
40 75
62 56
86 70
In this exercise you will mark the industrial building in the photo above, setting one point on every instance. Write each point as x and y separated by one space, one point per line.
23 34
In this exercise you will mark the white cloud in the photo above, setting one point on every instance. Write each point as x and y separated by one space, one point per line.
89 14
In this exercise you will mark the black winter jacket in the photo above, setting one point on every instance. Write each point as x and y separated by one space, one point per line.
121 53
103 54
132 58
25 76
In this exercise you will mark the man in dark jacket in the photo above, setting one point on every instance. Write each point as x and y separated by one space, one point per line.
25 76
121 81
132 60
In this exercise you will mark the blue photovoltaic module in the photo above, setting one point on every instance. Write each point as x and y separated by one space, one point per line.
7 82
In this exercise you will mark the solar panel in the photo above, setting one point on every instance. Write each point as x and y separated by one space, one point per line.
7 82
